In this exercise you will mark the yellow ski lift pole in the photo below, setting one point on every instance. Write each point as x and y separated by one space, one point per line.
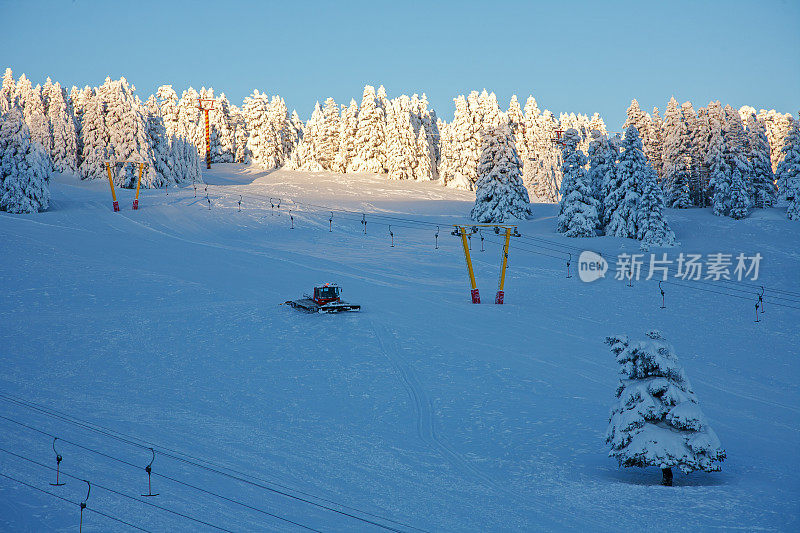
476 297
111 183
138 183
501 282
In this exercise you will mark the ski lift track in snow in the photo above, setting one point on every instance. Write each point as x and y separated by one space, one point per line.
752 287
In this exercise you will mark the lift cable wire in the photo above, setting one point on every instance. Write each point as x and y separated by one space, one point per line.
549 242
197 462
106 515
174 480
113 491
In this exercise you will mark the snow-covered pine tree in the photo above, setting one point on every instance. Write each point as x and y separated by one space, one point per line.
764 191
778 126
35 114
65 144
262 142
657 420
24 171
578 214
328 135
402 147
159 143
692 155
737 204
676 156
632 170
94 136
500 194
127 131
653 230
719 172
460 141
7 91
636 117
656 144
425 168
348 128
602 158
789 168
371 140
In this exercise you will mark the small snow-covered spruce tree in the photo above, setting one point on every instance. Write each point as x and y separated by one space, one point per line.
24 170
578 214
657 420
654 230
500 194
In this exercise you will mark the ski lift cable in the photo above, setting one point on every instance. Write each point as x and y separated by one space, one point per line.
194 461
174 480
96 511
568 247
118 493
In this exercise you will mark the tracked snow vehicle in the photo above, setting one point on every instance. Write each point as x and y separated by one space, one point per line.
324 300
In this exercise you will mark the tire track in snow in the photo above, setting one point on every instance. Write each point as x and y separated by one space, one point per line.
426 430
426 427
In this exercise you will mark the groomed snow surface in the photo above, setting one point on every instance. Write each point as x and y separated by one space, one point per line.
164 324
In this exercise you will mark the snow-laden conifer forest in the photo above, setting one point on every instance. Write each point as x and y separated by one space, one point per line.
733 160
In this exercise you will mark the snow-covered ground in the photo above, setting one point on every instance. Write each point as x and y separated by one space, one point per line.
165 324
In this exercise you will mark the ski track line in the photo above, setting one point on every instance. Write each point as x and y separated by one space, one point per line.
426 428
422 406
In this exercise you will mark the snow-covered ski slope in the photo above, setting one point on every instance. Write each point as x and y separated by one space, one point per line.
422 411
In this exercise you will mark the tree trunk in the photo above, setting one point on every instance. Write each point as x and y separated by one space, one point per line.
666 478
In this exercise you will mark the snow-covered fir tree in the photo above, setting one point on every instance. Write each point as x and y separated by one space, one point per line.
35 114
653 230
425 168
788 171
657 420
763 184
24 171
262 141
732 190
64 153
370 142
676 156
348 129
328 135
402 145
602 158
622 205
500 194
578 214
94 136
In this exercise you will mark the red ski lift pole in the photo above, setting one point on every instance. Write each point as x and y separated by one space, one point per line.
149 470
58 464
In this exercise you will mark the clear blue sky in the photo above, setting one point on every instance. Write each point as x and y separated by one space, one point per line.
581 56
